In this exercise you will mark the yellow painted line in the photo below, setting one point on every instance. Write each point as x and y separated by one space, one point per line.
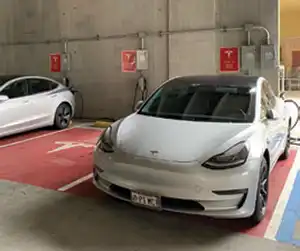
102 124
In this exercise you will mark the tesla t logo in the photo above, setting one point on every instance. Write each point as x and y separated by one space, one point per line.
229 53
154 152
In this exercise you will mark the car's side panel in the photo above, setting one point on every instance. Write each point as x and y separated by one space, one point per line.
14 116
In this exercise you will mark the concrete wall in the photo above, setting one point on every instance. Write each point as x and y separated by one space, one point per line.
233 13
96 67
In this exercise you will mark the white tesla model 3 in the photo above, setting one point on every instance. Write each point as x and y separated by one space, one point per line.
32 102
199 145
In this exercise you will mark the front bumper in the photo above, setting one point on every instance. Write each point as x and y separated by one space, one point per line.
220 194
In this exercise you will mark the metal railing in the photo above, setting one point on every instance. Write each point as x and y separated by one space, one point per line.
291 84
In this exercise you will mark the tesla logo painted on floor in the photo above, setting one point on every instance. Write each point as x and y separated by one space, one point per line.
66 145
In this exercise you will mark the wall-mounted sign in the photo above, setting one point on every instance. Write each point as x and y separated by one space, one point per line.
229 59
55 62
128 61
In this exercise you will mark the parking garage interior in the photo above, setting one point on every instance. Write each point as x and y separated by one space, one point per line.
47 198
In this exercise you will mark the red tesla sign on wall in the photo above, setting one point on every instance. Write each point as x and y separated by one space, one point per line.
129 61
229 59
55 62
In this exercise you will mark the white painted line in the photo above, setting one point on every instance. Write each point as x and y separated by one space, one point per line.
75 183
36 137
69 145
42 136
276 219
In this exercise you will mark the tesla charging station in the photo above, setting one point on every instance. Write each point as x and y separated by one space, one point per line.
134 60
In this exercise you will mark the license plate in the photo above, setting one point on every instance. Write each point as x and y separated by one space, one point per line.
145 200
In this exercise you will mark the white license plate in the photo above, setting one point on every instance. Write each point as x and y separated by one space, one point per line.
145 200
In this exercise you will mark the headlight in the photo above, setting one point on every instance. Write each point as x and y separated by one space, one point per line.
235 156
105 143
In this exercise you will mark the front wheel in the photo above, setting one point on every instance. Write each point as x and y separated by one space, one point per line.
63 116
262 194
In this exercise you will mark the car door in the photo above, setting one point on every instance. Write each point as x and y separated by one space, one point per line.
274 126
39 89
15 112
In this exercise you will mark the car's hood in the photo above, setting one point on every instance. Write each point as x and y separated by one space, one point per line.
177 140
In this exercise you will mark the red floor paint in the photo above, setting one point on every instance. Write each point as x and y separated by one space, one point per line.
20 137
30 163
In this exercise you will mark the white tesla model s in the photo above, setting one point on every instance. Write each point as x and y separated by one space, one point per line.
32 102
199 145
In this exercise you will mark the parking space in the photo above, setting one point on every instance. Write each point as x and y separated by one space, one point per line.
50 159
62 161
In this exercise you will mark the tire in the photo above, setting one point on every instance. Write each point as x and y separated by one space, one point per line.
63 116
285 154
262 195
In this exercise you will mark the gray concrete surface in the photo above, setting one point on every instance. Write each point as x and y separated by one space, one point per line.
96 66
34 219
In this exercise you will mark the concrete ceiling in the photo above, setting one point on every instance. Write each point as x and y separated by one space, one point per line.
290 5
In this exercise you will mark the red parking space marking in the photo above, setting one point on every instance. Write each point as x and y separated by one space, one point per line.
22 137
86 189
30 163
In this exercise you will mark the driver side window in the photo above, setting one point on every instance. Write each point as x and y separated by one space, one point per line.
16 90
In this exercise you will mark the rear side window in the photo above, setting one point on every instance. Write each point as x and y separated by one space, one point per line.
37 86
52 85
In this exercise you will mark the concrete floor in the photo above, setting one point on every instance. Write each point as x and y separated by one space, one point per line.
35 219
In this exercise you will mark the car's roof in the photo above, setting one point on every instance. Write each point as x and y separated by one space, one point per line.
7 78
225 80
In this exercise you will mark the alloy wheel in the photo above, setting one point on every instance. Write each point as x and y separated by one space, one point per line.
64 116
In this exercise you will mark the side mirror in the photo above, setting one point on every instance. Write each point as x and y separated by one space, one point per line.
281 95
138 105
271 115
3 98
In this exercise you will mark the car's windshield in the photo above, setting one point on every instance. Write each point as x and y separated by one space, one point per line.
202 102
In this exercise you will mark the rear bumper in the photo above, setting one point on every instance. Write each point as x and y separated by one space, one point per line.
229 194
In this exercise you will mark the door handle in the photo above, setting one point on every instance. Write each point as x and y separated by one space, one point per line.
53 96
268 141
26 102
